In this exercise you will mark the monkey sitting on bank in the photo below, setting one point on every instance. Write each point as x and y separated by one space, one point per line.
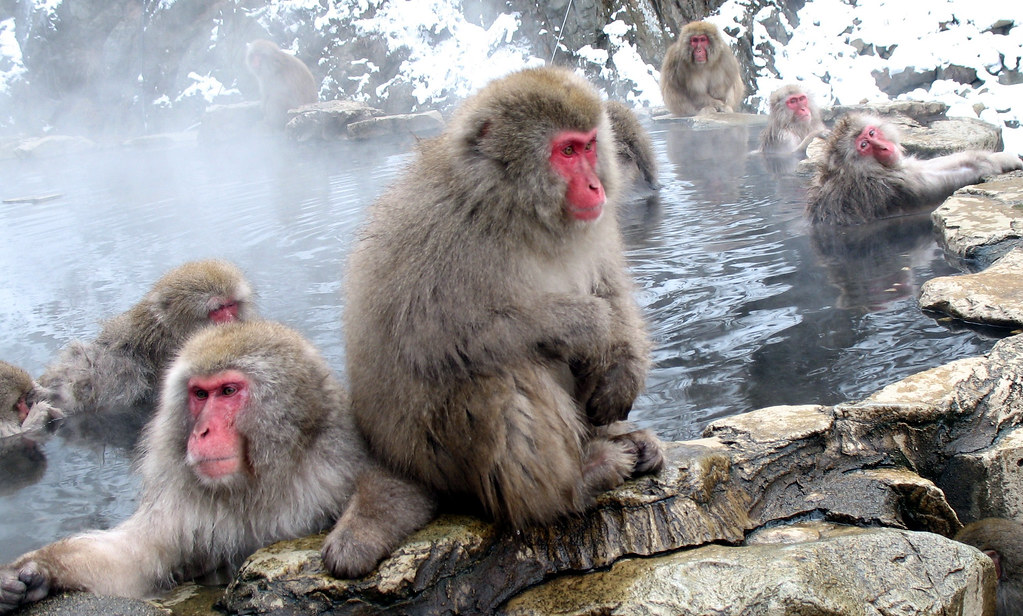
700 73
794 122
865 175
493 344
253 443
285 82
121 368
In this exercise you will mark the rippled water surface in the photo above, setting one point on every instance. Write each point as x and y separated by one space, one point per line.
748 308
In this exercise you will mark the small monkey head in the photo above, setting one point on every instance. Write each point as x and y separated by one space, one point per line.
861 141
703 40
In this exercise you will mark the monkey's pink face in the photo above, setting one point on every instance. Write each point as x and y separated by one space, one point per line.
225 311
699 43
22 407
800 106
216 450
574 157
871 142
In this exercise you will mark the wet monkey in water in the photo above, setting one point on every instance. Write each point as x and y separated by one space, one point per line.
794 122
1002 540
253 442
121 368
493 344
864 174
285 82
17 412
635 151
700 73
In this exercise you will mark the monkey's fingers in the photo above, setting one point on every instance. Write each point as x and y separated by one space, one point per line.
37 583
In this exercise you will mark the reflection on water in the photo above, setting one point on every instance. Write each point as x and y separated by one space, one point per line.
747 307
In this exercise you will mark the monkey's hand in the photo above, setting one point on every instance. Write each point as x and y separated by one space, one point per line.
648 449
39 415
21 585
614 391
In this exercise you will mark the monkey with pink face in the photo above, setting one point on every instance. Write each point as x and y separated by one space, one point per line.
253 442
864 174
493 344
700 74
794 122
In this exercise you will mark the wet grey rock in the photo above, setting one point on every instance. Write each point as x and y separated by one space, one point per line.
842 570
983 222
53 145
414 124
84 604
993 296
327 120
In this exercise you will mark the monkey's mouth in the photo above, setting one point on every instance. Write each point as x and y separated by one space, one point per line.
217 468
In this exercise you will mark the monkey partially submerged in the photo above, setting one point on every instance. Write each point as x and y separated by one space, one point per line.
17 413
864 174
795 121
1002 540
122 366
493 344
253 442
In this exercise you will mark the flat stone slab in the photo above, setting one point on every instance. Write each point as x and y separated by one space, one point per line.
982 222
993 296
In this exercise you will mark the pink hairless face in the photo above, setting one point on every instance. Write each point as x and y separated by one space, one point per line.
799 105
699 44
574 157
871 142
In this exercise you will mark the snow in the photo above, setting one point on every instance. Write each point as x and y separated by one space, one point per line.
450 57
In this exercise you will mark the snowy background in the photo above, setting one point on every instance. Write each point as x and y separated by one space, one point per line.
834 47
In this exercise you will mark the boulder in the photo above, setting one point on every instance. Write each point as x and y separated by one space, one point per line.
993 296
983 222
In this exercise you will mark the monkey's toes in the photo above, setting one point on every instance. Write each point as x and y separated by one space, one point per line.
346 557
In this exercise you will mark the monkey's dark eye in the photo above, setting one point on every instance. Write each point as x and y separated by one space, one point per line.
228 390
201 394
863 145
592 144
871 133
568 150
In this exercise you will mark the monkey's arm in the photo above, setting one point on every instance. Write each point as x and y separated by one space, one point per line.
940 176
805 143
128 561
611 378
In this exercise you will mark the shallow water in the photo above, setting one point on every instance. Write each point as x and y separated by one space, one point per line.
747 307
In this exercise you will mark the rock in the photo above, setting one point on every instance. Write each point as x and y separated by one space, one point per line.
923 112
53 145
230 122
847 571
327 120
85 604
417 124
993 296
980 223
943 137
904 81
958 73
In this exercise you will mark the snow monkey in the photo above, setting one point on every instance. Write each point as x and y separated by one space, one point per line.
1002 540
121 367
253 442
865 175
794 122
493 344
700 73
634 149
18 413
285 82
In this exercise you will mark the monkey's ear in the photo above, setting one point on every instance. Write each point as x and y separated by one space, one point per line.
997 559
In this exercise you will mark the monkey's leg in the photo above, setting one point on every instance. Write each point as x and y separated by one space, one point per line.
383 510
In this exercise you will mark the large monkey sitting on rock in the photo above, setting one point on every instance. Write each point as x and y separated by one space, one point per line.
864 174
253 443
700 73
121 368
493 345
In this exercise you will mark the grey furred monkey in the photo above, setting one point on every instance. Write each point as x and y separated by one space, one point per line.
121 368
864 174
493 344
700 74
253 442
